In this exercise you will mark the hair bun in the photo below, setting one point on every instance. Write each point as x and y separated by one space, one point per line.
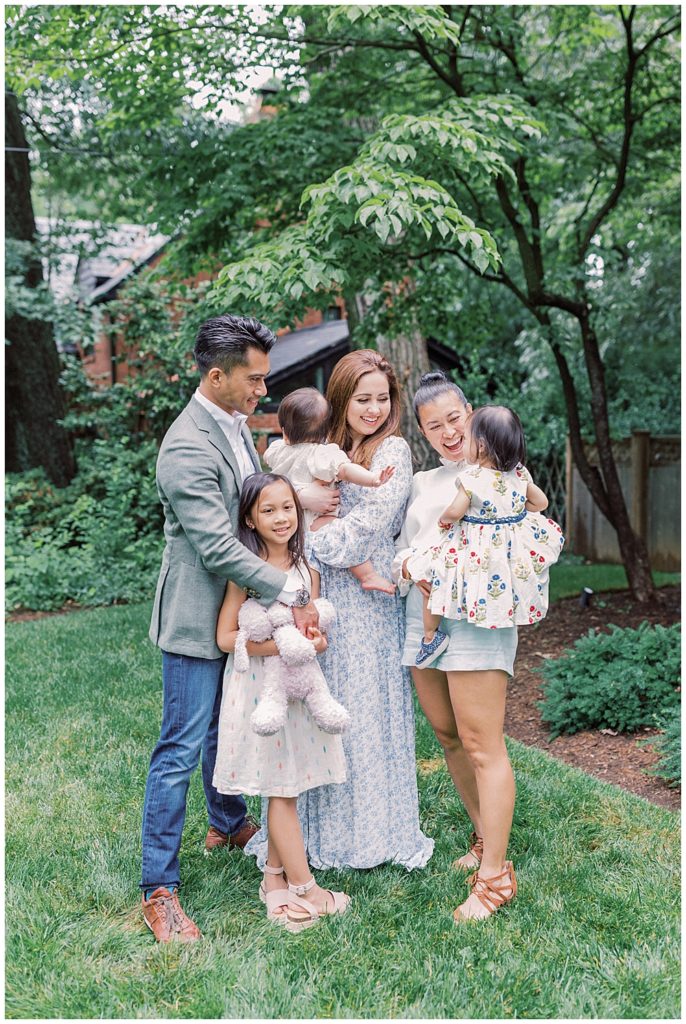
434 377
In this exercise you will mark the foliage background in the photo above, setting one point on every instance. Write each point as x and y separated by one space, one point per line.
125 111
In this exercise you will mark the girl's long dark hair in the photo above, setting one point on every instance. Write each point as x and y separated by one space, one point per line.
250 493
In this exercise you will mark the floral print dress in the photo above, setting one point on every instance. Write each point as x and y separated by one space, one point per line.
373 817
491 567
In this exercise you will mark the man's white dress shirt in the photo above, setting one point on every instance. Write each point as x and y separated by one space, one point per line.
231 426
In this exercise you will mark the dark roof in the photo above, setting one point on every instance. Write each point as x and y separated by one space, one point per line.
131 264
307 346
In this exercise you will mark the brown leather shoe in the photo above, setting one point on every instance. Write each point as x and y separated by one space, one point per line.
165 918
215 839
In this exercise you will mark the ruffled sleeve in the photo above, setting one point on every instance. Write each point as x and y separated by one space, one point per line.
523 474
403 549
351 539
466 477
325 460
273 451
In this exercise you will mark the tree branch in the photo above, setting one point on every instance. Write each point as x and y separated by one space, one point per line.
425 53
529 263
622 165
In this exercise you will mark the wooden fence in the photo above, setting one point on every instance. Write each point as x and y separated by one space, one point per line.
650 475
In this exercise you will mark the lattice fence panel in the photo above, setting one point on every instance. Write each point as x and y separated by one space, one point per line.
548 473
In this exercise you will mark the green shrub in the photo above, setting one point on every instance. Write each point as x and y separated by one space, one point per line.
668 745
99 540
618 680
96 542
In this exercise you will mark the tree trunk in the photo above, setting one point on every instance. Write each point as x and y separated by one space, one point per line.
632 547
33 399
408 355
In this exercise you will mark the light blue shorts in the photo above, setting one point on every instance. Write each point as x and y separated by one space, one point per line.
471 648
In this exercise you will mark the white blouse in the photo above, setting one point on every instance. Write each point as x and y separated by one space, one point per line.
432 491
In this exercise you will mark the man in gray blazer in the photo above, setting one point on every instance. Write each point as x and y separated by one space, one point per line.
204 458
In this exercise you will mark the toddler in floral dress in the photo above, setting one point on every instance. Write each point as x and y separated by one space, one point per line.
493 549
304 457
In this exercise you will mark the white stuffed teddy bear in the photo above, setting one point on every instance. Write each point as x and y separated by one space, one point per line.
292 675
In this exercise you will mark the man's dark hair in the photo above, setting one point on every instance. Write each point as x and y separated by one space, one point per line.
500 431
224 341
304 416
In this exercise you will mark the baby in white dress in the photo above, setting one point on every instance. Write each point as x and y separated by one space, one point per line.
303 457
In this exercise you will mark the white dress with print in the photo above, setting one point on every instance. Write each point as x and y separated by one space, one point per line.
296 758
491 567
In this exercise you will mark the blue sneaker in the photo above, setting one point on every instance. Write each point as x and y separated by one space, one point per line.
429 652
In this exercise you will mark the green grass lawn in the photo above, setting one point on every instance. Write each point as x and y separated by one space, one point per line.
594 932
568 580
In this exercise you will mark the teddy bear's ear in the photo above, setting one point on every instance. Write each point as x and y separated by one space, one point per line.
327 613
240 653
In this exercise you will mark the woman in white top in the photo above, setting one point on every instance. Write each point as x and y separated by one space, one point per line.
463 692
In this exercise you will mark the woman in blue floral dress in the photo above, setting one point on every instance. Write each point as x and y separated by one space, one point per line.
372 818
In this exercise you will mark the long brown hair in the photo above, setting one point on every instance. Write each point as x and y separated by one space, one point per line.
342 384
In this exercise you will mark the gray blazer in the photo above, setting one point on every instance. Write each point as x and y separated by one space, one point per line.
199 484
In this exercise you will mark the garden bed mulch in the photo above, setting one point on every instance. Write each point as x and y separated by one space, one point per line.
621 759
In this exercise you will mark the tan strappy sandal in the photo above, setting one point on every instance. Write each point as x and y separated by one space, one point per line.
276 899
490 891
308 914
476 848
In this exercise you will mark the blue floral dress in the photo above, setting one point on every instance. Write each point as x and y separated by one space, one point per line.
373 817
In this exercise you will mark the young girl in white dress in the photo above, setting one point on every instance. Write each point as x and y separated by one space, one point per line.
493 549
298 757
304 456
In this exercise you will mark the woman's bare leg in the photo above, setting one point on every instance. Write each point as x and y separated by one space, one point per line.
434 697
478 700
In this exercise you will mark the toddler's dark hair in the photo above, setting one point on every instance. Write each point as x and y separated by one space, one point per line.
305 416
499 430
250 493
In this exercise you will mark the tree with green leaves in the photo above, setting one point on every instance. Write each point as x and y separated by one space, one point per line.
600 84
526 149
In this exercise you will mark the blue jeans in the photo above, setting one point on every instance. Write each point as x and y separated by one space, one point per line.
190 719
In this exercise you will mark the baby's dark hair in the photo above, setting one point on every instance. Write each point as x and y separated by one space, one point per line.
250 493
498 430
305 417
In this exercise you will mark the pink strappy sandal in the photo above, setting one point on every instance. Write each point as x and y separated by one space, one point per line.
297 922
276 899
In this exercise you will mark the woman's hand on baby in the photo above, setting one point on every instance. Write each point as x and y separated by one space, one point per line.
318 639
384 476
319 498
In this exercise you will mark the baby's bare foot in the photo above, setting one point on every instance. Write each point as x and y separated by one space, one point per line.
376 582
